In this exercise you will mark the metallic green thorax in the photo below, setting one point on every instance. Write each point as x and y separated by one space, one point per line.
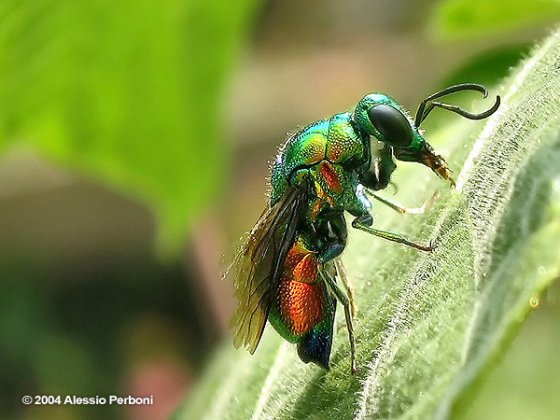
326 147
334 140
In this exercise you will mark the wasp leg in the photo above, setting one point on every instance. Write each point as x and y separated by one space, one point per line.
394 237
400 208
343 299
341 271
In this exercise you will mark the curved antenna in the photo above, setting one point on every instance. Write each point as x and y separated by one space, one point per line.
428 104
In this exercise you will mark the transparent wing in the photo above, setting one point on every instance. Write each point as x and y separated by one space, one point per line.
258 266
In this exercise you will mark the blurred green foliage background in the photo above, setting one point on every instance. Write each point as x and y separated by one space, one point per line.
135 138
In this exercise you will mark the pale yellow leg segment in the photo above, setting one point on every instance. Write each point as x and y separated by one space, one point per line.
343 299
341 271
400 208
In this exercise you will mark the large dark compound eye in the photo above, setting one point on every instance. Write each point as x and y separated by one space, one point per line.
392 125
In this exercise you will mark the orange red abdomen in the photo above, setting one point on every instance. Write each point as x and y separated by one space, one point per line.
301 305
300 301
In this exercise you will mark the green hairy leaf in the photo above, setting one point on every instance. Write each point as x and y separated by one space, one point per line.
430 325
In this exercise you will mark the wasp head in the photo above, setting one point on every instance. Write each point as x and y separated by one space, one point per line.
385 120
